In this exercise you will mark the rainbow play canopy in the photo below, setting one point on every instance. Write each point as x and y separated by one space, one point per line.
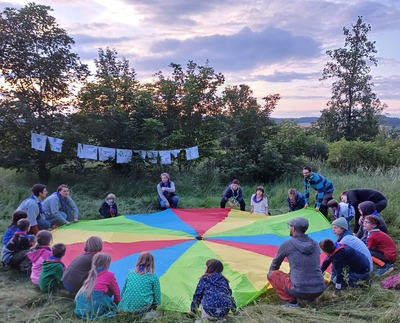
182 240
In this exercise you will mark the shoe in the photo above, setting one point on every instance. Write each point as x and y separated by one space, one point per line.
291 304
387 269
151 314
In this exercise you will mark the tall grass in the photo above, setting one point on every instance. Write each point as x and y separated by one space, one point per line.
20 301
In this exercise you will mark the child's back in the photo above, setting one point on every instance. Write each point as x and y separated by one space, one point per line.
9 233
77 271
37 257
50 277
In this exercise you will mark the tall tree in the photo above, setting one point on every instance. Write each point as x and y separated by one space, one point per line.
353 108
40 72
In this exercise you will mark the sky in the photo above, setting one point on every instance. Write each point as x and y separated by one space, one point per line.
274 46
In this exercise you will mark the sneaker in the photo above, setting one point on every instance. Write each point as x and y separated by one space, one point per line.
387 269
291 304
151 314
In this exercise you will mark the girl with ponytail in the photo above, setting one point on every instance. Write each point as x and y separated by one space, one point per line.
93 300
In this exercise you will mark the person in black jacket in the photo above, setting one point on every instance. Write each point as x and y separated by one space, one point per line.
109 208
355 197
235 192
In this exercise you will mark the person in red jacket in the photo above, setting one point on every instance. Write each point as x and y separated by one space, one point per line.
382 247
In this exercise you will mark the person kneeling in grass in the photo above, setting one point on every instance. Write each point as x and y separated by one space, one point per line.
349 266
382 247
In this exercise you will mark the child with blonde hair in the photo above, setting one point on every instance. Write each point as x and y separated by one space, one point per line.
109 207
141 292
213 293
78 270
93 300
39 253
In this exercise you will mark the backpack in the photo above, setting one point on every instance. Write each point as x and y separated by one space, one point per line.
392 282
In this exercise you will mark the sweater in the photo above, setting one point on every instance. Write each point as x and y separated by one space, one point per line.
320 184
141 290
51 275
52 206
355 197
362 234
106 207
304 261
297 203
355 243
169 190
78 270
236 194
37 257
31 207
214 295
107 283
9 233
381 241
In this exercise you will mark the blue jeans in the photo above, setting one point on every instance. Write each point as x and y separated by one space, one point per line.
173 202
352 278
53 220
43 224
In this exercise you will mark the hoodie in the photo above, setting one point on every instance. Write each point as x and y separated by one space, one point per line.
368 208
37 257
50 277
302 253
214 295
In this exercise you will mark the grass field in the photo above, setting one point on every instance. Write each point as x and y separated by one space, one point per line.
20 301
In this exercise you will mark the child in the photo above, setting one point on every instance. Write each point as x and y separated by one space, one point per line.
345 210
348 265
213 293
39 253
141 292
78 270
109 208
9 233
259 202
53 269
382 247
18 247
93 300
368 208
296 200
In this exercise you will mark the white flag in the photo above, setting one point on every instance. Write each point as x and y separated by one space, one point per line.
152 154
89 152
124 156
175 152
142 153
38 142
192 153
55 144
165 156
80 151
106 153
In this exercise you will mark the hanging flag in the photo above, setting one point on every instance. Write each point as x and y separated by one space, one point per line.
38 142
88 151
152 154
175 152
55 144
192 153
142 153
106 153
80 151
124 156
165 156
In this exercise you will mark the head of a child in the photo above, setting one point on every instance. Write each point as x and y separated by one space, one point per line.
366 208
370 222
332 204
343 197
110 198
213 266
259 191
93 244
340 226
24 225
18 215
292 193
235 184
327 246
43 239
146 262
58 250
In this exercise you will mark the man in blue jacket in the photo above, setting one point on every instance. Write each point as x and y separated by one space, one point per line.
322 185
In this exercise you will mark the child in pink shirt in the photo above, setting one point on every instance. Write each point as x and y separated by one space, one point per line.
39 253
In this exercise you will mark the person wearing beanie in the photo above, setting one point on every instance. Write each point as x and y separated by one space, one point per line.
305 280
368 208
340 229
109 207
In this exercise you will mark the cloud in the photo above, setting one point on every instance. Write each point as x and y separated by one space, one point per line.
278 77
241 51
387 87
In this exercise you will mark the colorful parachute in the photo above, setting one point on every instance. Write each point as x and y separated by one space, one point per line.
182 240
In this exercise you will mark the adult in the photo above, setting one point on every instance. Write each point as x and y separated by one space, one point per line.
368 208
305 280
166 192
322 185
34 209
340 229
59 208
355 197
235 192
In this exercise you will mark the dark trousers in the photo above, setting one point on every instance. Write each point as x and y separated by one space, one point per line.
376 253
324 208
242 204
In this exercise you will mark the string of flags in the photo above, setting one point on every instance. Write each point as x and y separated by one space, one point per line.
104 153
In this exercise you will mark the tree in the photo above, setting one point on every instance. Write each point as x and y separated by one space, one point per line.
40 72
353 108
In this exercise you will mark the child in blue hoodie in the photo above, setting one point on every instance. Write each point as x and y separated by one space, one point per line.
12 228
213 293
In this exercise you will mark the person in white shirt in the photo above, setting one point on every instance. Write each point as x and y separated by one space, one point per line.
259 202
